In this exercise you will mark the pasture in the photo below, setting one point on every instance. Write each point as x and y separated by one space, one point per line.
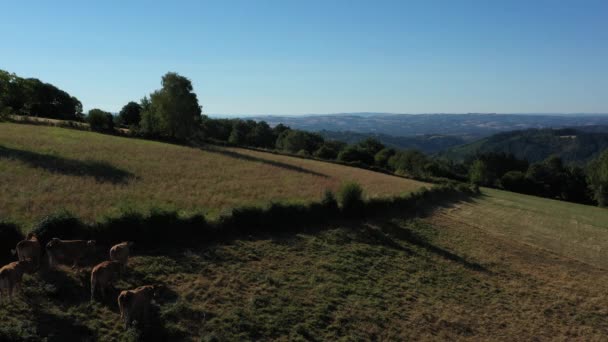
388 279
568 229
46 169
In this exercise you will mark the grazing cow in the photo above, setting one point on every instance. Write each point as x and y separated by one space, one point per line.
29 249
135 305
120 252
68 251
103 277
11 275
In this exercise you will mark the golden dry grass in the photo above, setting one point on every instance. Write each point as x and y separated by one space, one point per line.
392 279
44 169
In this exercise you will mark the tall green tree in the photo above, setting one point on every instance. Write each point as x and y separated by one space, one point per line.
100 120
597 176
478 173
173 110
130 114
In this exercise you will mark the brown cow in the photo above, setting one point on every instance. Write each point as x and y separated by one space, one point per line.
120 252
29 249
68 251
135 305
103 277
11 275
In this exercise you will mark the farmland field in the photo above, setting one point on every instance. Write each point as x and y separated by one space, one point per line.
388 279
44 169
569 229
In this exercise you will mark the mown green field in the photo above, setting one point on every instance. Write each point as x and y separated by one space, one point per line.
569 229
45 169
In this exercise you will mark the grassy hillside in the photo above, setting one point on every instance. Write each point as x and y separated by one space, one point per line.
433 278
43 169
572 145
572 230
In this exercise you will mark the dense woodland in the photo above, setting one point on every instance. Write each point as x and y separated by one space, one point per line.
173 113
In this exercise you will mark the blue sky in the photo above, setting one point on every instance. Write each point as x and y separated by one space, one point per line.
294 57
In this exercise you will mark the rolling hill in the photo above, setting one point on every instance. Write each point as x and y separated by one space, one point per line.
577 145
470 269
498 265
460 125
429 143
44 169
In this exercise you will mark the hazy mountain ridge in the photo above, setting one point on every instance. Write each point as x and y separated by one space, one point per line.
578 144
467 125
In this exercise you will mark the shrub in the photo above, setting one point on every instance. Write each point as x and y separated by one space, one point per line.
62 225
153 228
351 199
100 120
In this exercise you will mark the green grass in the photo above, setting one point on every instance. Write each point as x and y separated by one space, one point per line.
569 229
45 169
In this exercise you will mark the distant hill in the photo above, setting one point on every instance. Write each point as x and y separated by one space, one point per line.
578 144
461 125
428 143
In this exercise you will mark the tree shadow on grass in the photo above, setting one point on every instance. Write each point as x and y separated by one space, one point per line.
246 157
101 171
55 327
403 233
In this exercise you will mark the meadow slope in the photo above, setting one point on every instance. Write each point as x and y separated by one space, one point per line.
429 278
44 169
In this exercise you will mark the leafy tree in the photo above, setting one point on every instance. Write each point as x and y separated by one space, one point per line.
280 128
478 173
130 114
238 135
371 146
329 150
408 161
100 120
261 135
296 140
381 158
353 154
598 178
173 110
216 129
515 181
32 97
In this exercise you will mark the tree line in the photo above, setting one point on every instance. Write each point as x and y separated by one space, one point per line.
173 112
32 97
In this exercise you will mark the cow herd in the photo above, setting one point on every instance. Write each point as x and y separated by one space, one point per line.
134 304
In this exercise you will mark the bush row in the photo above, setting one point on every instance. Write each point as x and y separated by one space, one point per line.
161 227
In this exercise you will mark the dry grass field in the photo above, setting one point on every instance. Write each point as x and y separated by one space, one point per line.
44 169
499 266
388 279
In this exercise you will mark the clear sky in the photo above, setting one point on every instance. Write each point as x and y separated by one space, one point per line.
291 57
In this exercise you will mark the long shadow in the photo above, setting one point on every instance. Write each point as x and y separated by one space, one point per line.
101 171
403 233
286 166
58 328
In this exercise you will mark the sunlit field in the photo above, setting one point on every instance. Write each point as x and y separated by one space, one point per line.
45 169
569 229
391 279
